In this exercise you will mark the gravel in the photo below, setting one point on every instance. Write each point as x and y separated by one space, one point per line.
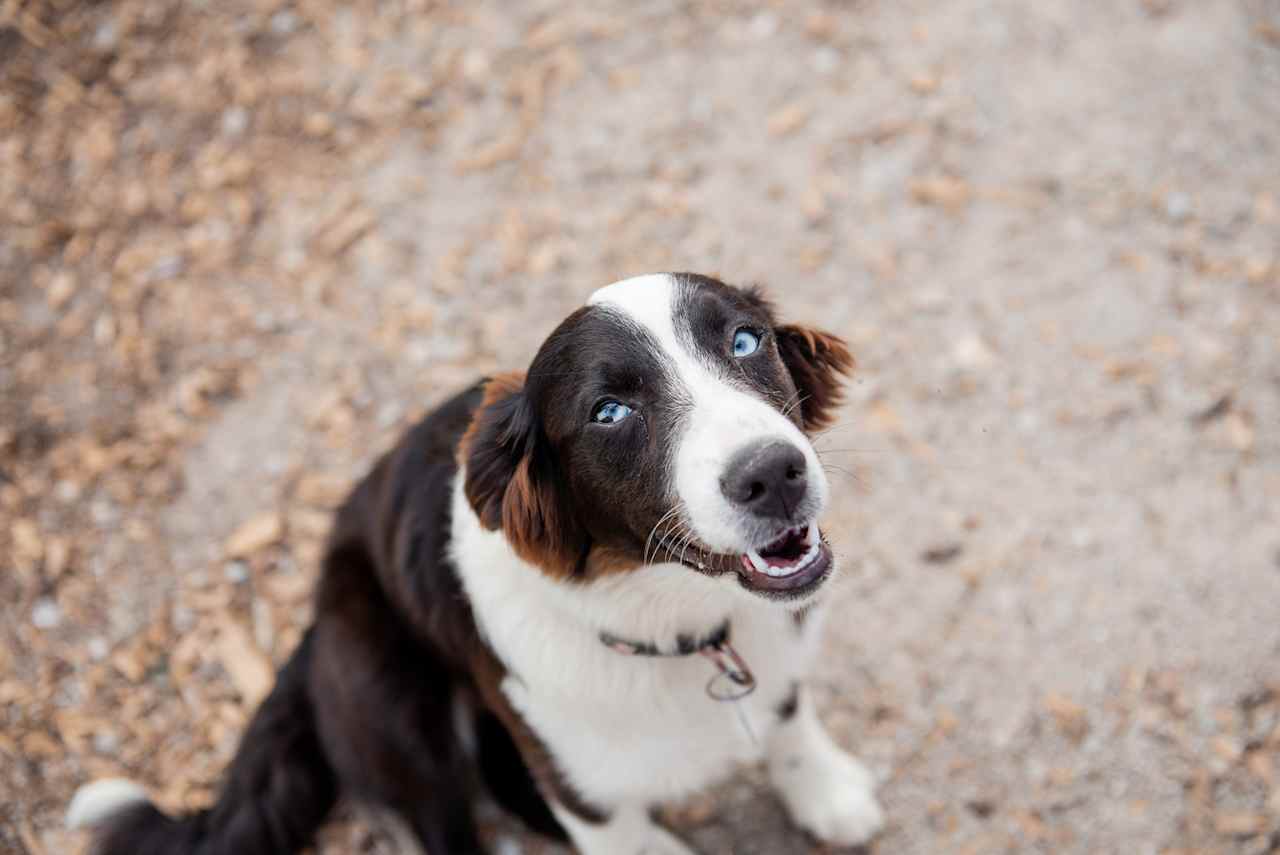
243 244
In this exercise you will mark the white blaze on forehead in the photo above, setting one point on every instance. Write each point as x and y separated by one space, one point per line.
722 417
649 301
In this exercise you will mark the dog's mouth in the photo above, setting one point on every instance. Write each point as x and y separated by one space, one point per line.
793 562
790 566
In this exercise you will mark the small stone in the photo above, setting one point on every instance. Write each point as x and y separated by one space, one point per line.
234 121
825 60
1177 206
236 572
284 22
106 742
764 25
98 648
104 38
972 353
46 614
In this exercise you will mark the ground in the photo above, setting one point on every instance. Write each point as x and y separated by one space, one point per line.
243 244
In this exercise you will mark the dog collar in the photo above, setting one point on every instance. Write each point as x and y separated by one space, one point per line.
733 679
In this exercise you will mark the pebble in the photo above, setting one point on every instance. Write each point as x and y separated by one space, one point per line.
106 742
46 614
235 120
971 352
98 648
284 22
1177 206
825 60
764 25
236 572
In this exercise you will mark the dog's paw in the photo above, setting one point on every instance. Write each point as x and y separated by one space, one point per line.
831 796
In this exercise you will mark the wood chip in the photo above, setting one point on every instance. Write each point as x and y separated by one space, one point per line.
951 194
1239 824
1072 719
254 535
322 491
787 120
249 669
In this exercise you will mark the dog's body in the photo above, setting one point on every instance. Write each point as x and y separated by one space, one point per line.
534 588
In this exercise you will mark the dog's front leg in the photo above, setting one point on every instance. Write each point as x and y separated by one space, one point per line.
827 792
626 831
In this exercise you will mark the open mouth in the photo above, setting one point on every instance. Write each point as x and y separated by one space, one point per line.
791 566
792 563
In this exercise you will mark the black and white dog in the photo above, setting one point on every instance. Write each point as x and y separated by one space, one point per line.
589 589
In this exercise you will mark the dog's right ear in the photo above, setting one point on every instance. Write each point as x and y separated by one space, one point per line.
511 480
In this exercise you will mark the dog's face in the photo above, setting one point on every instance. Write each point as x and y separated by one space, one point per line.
665 422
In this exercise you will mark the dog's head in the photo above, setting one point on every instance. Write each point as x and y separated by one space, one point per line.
667 421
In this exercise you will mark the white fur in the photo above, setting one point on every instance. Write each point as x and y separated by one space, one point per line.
723 419
827 792
100 800
626 729
628 732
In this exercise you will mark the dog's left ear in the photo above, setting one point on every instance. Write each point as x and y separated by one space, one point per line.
511 481
816 361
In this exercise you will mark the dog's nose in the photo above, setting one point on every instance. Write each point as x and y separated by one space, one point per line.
766 478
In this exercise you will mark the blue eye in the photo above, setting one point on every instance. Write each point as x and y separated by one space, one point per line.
611 412
745 343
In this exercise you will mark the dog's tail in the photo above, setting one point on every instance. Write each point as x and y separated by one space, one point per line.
278 790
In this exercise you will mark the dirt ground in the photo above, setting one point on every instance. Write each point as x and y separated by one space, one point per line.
243 243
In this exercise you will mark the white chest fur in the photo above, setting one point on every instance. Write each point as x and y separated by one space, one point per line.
629 728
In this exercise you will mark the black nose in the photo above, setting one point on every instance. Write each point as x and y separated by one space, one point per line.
767 479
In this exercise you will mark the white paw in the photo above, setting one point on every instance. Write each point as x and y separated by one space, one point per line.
832 796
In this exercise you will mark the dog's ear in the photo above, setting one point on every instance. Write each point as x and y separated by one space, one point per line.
816 361
511 481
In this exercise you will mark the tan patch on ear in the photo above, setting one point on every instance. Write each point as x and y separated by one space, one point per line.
816 360
496 388
531 521
503 488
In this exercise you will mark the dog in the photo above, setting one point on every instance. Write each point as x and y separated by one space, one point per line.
587 590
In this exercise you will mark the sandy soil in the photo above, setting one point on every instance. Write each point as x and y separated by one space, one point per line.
243 243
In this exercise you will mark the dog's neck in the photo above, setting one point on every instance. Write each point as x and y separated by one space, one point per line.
734 680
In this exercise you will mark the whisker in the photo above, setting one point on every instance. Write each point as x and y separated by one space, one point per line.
791 402
674 510
853 476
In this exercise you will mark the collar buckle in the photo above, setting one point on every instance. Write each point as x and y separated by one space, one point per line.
735 680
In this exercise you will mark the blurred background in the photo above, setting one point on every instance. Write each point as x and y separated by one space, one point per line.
243 243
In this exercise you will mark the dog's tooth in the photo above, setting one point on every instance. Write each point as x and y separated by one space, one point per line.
758 562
